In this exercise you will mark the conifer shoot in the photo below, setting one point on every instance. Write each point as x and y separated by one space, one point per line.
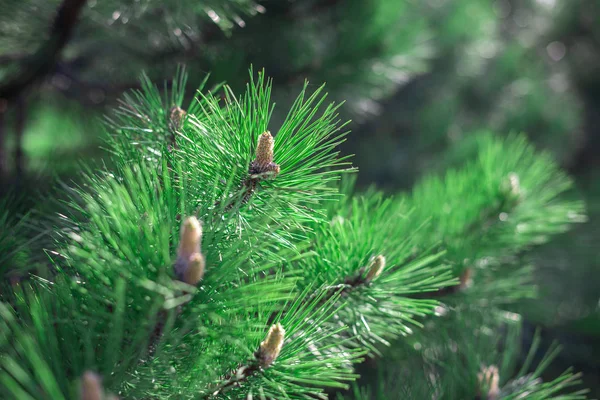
191 235
271 346
195 269
91 387
376 268
189 266
176 116
489 380
263 163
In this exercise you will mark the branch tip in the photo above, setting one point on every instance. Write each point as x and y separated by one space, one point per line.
176 116
195 269
511 187
465 278
92 389
489 380
190 237
189 266
91 386
263 164
264 150
376 268
271 346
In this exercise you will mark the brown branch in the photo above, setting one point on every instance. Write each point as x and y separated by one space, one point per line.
236 377
10 58
3 164
41 63
21 110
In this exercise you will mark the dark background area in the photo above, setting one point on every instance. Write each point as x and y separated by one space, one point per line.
421 79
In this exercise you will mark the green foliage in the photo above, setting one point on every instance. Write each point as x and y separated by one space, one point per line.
215 145
509 191
119 237
298 247
13 252
451 353
361 62
295 248
570 300
18 234
360 230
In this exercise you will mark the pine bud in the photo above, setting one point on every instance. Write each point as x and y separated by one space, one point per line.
512 186
91 387
271 346
190 237
263 163
489 380
465 278
515 186
195 269
264 150
189 250
376 268
176 116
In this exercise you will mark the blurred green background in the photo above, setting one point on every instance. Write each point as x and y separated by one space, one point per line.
420 79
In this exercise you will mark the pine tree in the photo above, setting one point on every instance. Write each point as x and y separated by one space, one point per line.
216 259
224 249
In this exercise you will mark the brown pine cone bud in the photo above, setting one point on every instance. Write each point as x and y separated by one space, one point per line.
271 346
264 150
189 245
190 237
195 269
376 268
263 163
91 387
176 116
489 380
511 187
466 278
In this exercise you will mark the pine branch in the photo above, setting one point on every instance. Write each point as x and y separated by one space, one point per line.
266 354
3 162
371 264
519 207
261 168
118 245
157 302
494 283
468 355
